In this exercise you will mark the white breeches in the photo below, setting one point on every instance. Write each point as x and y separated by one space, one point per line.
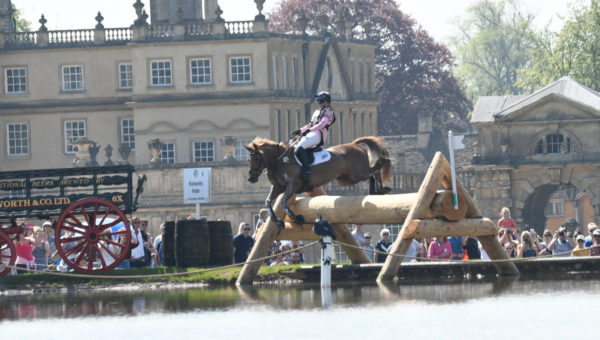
312 139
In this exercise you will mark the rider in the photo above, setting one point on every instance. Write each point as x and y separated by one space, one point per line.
315 132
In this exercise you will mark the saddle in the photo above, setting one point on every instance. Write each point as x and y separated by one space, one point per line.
316 155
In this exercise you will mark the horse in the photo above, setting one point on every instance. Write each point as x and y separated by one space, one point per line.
349 164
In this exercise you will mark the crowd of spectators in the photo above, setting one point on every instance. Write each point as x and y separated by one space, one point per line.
516 244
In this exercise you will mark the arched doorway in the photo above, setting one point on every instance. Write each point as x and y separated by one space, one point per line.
550 206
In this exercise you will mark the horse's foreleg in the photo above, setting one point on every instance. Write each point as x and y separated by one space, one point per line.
289 191
273 193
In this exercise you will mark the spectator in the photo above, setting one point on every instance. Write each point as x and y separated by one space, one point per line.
279 261
589 240
579 249
527 248
595 247
369 247
509 248
138 257
242 243
440 249
547 238
383 245
296 258
41 251
286 251
508 223
158 258
560 244
359 235
472 248
414 249
263 214
149 251
25 247
457 247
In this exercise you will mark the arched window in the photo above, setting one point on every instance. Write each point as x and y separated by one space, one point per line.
555 143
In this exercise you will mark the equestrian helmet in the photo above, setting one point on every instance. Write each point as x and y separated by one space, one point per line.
323 96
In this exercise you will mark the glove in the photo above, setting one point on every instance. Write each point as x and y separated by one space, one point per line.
306 132
296 133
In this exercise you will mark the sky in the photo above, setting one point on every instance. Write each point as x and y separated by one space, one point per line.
438 17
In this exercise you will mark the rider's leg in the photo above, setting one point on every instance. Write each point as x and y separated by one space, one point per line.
310 140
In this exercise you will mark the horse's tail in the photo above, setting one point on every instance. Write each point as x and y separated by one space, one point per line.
378 146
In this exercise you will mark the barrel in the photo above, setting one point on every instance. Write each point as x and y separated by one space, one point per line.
192 243
221 242
168 244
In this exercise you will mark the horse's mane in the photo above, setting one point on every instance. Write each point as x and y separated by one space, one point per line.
261 142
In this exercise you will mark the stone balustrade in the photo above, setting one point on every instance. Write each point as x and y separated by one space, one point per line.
135 33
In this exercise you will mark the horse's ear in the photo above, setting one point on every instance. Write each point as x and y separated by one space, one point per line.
249 148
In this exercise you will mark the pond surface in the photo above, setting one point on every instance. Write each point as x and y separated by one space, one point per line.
482 310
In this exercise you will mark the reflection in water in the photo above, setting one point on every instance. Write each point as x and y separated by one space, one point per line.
305 297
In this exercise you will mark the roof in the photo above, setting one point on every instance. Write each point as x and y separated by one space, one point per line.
490 108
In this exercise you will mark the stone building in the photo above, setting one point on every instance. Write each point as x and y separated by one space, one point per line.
190 84
538 155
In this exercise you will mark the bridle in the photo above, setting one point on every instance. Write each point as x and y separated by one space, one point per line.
256 172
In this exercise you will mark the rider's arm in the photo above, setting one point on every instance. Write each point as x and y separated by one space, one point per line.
322 123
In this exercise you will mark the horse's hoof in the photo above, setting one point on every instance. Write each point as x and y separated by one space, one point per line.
280 223
299 219
383 190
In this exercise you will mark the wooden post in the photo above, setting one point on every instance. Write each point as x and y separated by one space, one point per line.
425 196
261 247
489 243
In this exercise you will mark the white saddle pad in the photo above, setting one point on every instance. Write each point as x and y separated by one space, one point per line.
320 157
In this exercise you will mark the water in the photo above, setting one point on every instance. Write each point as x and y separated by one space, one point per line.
480 310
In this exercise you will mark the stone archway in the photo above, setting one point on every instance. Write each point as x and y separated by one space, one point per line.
533 184
535 204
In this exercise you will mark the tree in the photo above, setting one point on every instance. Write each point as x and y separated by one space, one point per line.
574 51
21 24
492 46
413 72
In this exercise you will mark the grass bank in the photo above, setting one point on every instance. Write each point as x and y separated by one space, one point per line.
217 276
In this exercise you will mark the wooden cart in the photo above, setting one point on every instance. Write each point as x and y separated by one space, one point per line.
87 207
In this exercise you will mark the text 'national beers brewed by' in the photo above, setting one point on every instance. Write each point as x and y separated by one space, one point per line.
65 182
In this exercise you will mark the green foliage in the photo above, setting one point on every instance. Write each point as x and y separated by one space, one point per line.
21 24
494 43
573 52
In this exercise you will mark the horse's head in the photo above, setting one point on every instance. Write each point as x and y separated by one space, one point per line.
256 161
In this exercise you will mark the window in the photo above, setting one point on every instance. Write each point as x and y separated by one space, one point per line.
554 143
284 71
240 70
277 129
240 152
17 140
74 129
394 230
72 76
125 76
127 133
295 73
555 208
15 80
200 71
539 149
160 71
204 151
339 253
274 65
167 154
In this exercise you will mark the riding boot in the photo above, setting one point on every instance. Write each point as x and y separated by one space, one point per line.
303 158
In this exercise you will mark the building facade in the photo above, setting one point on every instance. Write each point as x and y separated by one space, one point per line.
189 83
538 155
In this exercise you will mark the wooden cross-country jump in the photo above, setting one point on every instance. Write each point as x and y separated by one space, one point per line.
427 213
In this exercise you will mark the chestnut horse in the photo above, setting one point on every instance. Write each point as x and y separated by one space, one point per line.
349 164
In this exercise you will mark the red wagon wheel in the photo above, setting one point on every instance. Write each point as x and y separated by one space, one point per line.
8 253
92 235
